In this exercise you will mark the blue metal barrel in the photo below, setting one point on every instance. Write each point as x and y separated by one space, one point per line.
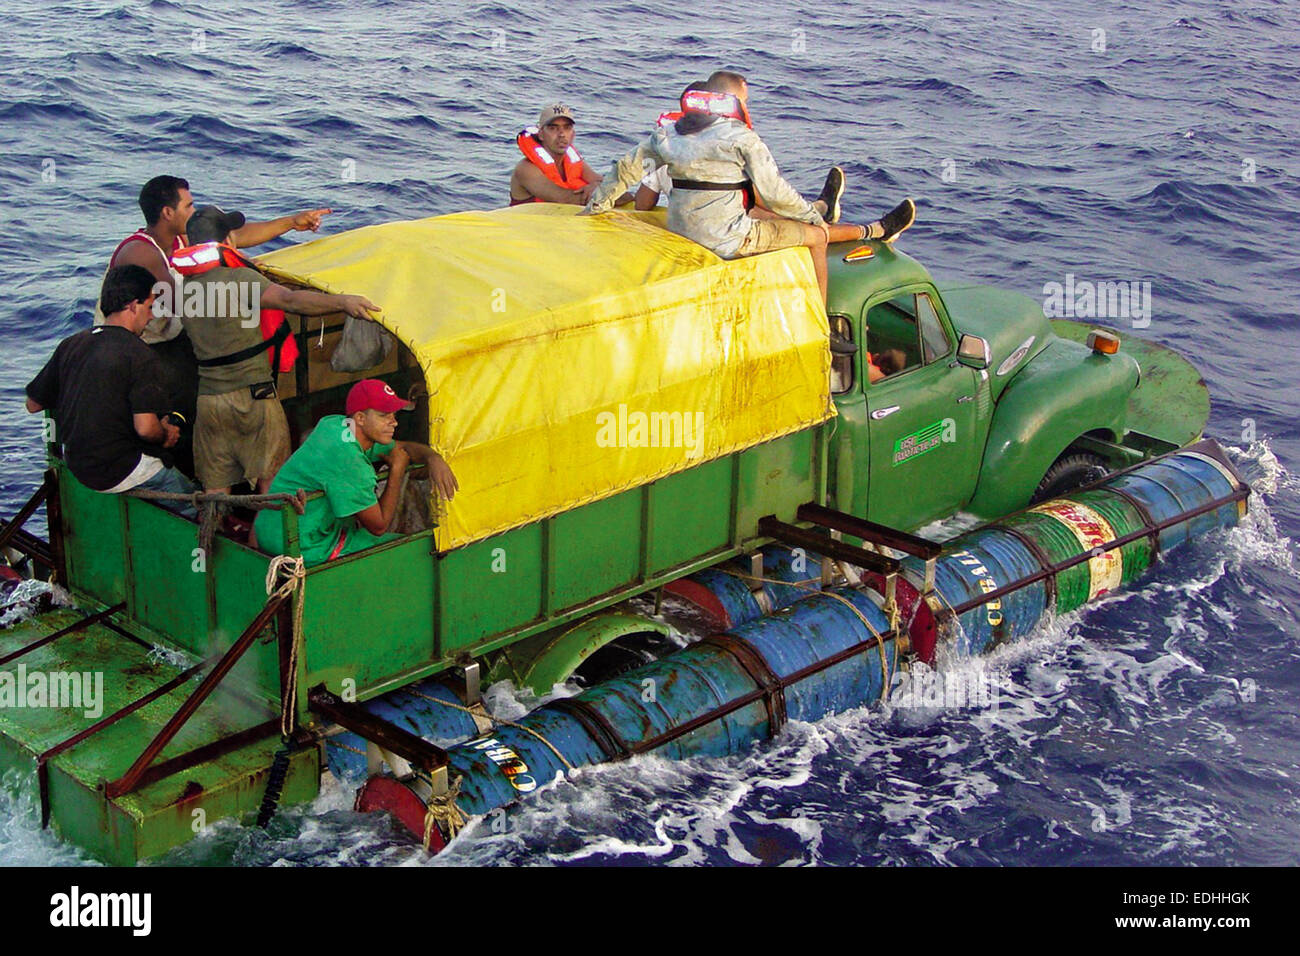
511 762
654 699
814 629
1176 485
974 565
416 708
725 593
647 704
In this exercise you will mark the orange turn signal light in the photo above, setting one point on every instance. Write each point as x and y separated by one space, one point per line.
860 253
1104 343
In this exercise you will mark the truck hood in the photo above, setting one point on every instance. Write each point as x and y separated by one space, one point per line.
1012 324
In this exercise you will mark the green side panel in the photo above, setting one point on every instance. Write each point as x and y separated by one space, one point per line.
370 615
238 579
489 587
161 815
1172 402
690 514
169 596
595 549
775 478
93 540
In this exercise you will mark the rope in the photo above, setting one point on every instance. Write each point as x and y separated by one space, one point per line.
295 573
256 502
496 722
443 813
885 671
943 600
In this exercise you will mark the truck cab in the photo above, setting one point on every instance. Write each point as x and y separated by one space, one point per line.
992 405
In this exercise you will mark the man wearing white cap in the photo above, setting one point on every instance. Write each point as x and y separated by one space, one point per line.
552 170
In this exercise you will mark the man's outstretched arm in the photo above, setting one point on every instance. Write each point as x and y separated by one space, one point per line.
256 233
626 174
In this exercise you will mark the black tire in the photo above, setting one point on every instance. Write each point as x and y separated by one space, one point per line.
1072 470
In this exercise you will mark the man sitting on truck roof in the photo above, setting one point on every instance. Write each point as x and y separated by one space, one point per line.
241 341
338 458
658 184
713 156
106 390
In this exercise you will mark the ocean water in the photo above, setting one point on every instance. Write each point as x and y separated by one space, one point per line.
1136 141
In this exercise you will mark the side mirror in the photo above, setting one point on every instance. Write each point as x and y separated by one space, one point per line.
973 351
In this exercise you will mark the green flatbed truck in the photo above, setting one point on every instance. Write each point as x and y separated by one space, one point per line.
995 405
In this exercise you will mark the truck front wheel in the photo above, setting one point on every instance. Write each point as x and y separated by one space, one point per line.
1073 469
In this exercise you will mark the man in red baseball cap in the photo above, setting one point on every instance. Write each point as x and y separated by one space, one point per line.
339 459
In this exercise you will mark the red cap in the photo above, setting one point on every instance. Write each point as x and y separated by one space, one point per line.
372 393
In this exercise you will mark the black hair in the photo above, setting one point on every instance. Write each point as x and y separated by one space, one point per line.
124 285
694 85
210 228
159 193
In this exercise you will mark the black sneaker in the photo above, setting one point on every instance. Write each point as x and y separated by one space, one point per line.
898 220
831 193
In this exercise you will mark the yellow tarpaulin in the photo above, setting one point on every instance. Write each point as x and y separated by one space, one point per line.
571 357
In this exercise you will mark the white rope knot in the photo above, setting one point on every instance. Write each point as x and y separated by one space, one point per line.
443 813
294 573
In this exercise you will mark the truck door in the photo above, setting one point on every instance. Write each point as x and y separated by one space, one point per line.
921 412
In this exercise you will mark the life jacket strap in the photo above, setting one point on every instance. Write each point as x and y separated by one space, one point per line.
275 341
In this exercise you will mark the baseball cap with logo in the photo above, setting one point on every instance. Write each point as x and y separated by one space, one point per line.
372 393
554 112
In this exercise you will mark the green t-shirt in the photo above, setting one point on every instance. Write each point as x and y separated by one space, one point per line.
330 460
215 310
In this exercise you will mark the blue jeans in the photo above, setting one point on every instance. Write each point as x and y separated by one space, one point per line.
169 479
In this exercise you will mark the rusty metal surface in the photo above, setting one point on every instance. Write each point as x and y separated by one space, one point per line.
419 752
130 780
799 538
84 623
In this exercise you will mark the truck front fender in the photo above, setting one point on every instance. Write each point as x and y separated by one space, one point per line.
1067 391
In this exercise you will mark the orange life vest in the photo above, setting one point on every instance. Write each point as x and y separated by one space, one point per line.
716 104
668 119
537 154
276 333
